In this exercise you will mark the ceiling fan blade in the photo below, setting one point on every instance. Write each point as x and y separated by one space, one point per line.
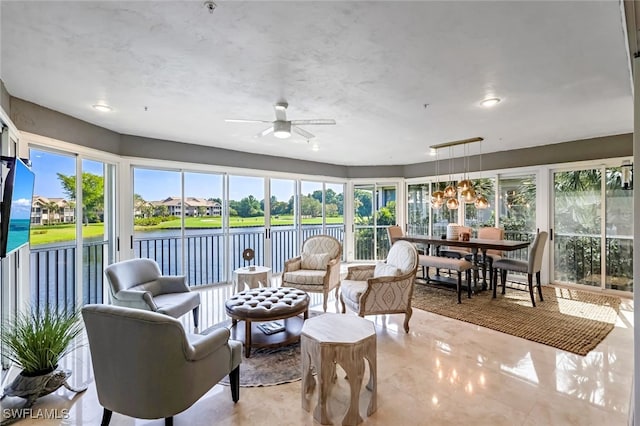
241 120
281 111
265 132
314 121
302 132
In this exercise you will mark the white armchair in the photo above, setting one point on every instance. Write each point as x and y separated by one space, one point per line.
317 269
384 288
138 283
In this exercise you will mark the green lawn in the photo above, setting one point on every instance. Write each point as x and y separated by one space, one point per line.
235 222
58 233
42 234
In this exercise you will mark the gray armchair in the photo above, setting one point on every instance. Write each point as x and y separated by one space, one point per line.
146 366
138 283
532 266
384 288
317 269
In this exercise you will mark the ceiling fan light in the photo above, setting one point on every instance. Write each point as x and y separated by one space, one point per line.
282 129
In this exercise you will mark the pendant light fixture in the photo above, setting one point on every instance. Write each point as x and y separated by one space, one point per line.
437 197
450 190
465 186
481 201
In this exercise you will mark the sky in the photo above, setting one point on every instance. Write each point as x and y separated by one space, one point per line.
22 191
155 185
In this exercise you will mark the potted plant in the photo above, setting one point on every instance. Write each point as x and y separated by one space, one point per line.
36 341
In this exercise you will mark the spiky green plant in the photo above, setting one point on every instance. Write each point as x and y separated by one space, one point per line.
37 339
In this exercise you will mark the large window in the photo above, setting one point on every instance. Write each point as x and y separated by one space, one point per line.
72 232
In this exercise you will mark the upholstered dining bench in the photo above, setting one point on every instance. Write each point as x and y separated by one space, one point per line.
458 265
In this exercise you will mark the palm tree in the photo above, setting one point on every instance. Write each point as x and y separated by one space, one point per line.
52 208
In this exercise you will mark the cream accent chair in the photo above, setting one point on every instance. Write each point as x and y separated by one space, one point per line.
532 266
138 283
317 269
384 288
146 366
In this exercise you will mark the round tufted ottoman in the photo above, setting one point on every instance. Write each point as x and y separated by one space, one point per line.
268 304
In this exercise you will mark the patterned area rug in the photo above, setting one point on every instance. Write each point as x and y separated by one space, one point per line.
267 366
572 320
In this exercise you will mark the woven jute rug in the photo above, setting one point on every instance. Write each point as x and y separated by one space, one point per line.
572 320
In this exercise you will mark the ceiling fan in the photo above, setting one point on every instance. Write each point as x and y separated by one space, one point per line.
282 127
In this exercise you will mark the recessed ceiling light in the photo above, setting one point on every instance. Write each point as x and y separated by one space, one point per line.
487 103
315 147
102 107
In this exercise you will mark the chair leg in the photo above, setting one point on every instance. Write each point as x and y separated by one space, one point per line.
539 286
459 287
494 278
344 309
530 280
426 273
196 316
324 301
106 417
234 381
407 317
468 276
168 421
503 277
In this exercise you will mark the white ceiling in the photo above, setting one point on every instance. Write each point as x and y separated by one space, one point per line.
560 68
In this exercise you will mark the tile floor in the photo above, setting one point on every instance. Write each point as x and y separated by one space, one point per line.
444 372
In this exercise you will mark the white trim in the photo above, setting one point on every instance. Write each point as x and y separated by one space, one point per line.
236 171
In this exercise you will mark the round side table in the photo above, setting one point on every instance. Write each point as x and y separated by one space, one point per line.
245 277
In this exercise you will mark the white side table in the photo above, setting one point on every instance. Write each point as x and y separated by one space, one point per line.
337 339
245 277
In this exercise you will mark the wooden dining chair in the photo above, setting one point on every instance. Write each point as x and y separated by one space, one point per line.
532 266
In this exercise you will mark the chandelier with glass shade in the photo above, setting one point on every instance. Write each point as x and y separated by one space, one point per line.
464 190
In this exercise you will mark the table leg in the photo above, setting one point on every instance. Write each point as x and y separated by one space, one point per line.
353 364
325 368
247 338
370 355
308 381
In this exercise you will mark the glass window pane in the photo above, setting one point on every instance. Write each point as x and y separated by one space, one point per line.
619 233
53 231
246 219
577 219
284 237
334 211
157 210
418 203
516 211
204 240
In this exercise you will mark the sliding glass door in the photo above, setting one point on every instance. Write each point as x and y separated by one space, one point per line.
592 229
374 211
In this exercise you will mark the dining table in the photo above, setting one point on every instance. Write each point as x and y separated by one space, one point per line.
478 246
